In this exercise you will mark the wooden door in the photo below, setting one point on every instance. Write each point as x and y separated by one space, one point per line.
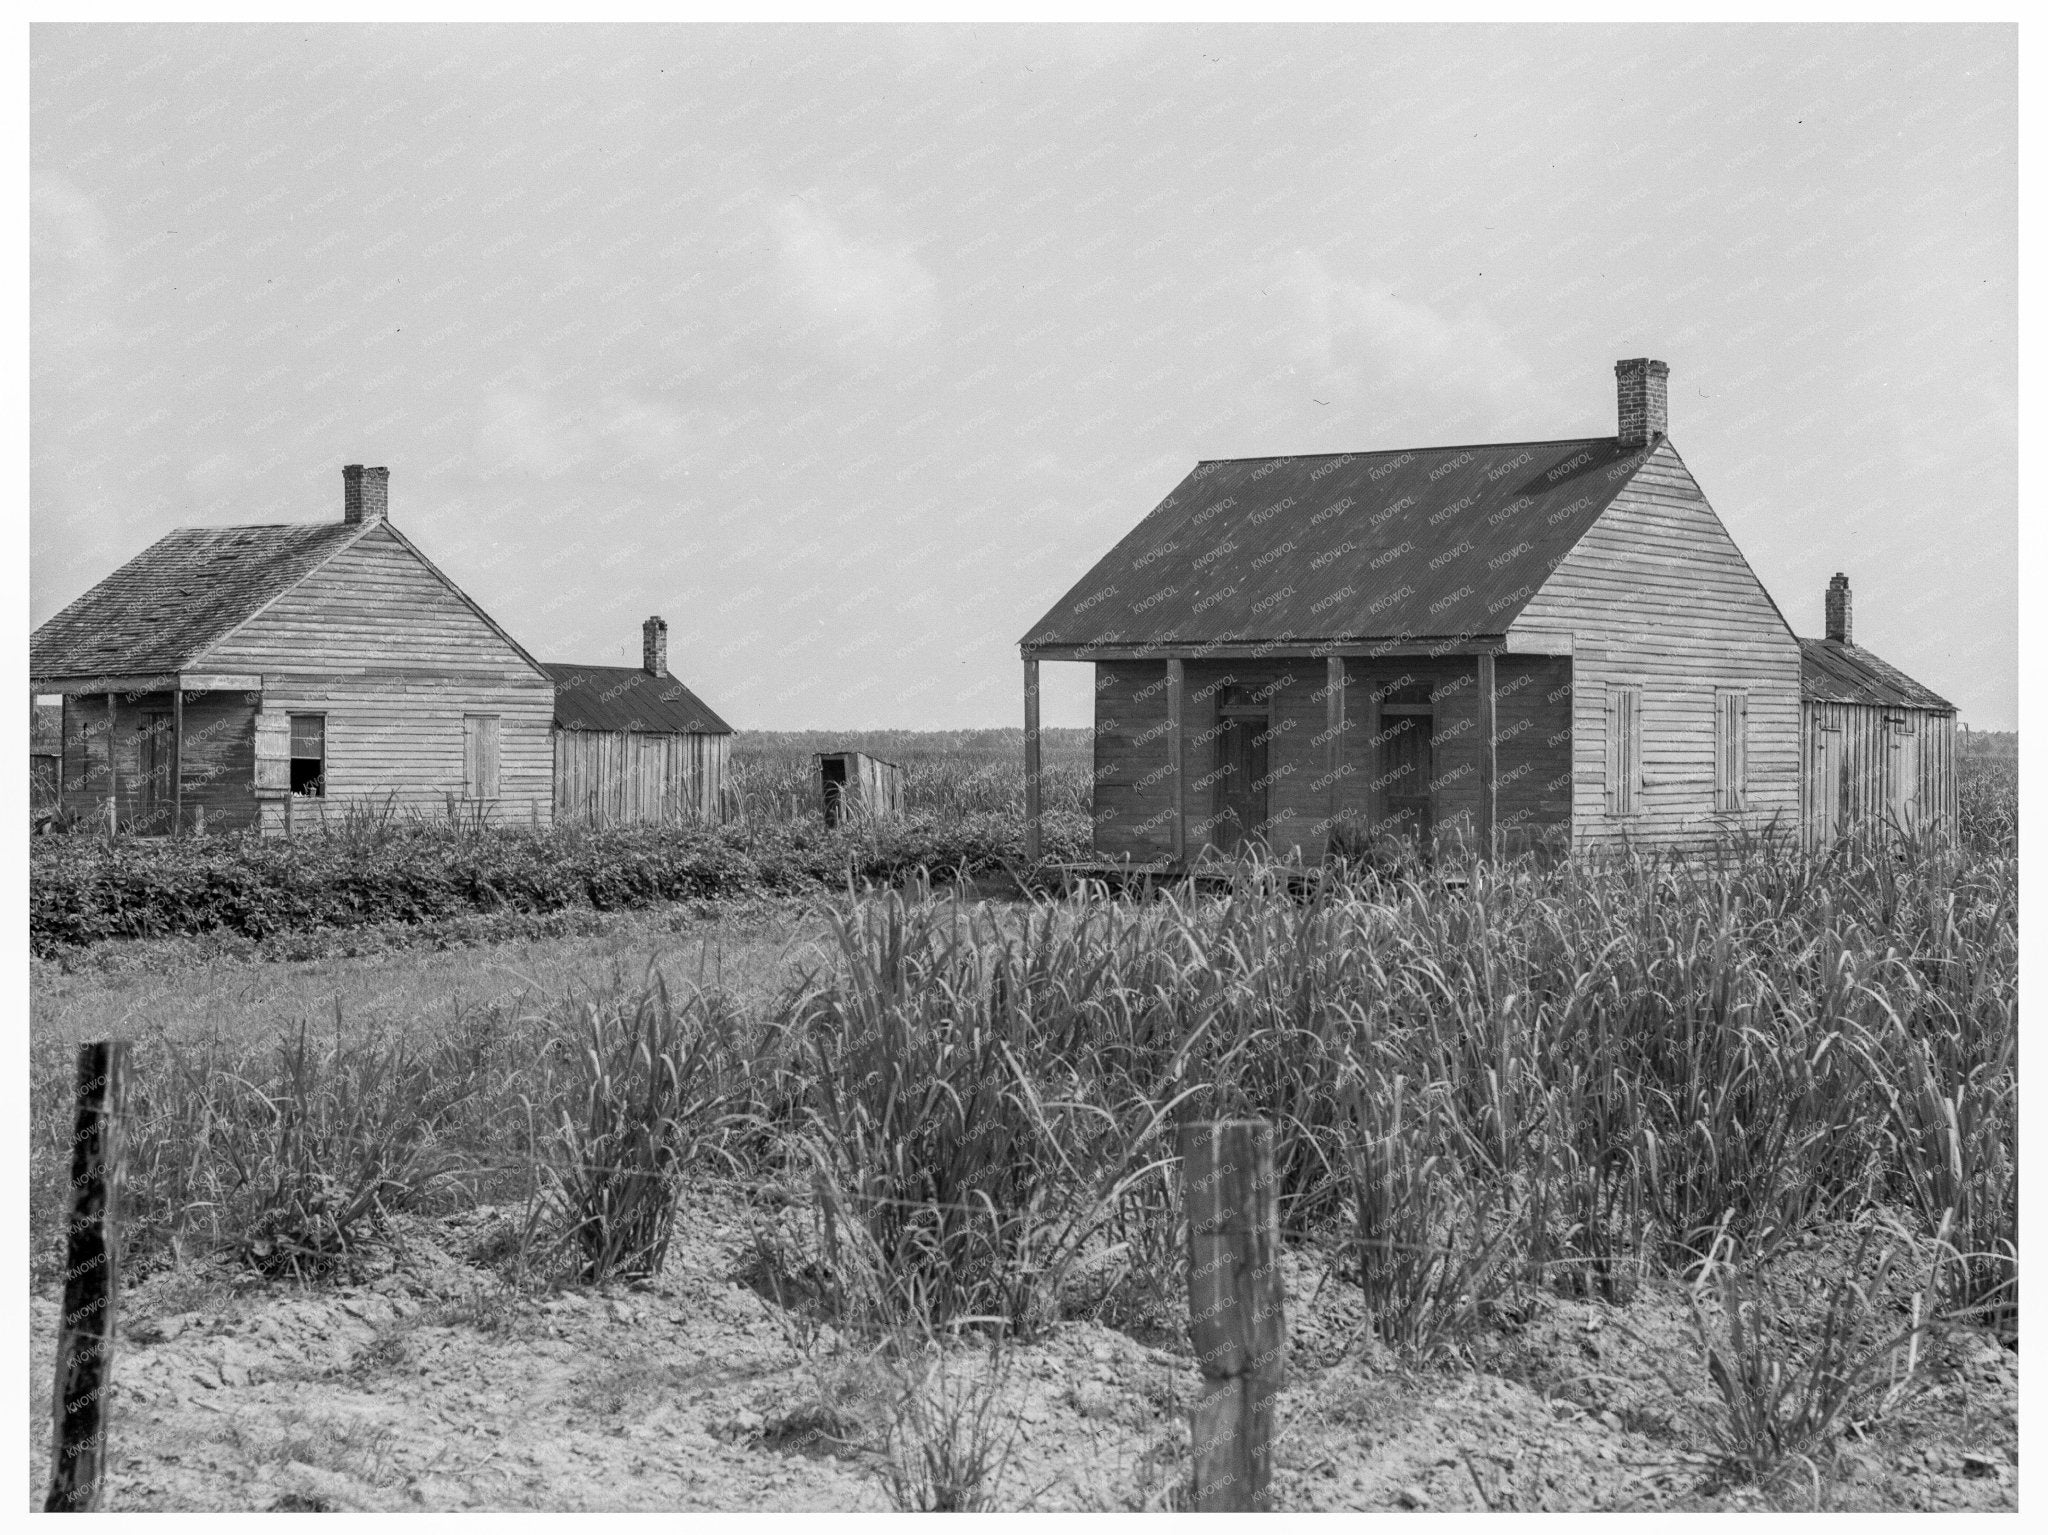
1902 773
1828 778
156 764
1240 782
1407 764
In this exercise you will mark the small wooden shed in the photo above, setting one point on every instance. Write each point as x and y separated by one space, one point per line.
634 744
1879 749
853 784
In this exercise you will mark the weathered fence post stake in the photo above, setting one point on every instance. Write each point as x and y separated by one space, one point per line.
1235 1318
85 1342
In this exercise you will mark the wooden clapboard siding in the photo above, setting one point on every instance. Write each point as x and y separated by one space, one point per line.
394 658
1656 594
1854 780
606 777
219 758
1133 785
1132 802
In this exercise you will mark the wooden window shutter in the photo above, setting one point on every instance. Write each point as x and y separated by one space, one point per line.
1731 749
1624 748
480 756
273 753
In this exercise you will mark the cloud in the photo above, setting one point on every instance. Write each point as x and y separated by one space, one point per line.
525 426
861 294
69 249
72 269
1359 338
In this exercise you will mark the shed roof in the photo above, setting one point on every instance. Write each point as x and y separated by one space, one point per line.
1419 542
1832 672
183 594
628 698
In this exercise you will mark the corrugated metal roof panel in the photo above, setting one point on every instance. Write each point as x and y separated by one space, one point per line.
628 698
1426 542
168 605
1832 672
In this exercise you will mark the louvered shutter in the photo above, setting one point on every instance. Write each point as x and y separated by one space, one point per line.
273 753
1741 723
1731 749
1611 773
1624 748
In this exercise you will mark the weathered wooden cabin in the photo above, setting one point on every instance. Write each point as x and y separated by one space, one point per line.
1519 642
264 675
634 744
853 785
1879 749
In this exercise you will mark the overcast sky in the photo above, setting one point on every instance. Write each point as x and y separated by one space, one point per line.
850 350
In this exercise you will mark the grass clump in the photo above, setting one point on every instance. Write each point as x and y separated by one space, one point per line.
644 1091
1784 1385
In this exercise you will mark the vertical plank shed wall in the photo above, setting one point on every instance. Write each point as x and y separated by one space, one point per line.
1656 593
1856 733
394 660
605 777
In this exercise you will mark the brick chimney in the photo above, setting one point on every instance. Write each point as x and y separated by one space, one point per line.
1640 388
654 646
1838 610
365 493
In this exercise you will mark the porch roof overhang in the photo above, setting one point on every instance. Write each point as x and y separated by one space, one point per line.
151 682
1391 648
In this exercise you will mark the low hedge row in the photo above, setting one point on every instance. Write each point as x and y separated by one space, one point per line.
83 890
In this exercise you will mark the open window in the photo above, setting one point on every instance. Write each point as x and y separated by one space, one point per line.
309 755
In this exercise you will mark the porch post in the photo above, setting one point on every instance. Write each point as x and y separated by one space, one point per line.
1033 840
1333 727
1488 764
178 759
1176 755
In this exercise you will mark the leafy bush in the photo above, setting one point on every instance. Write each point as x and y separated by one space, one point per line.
83 891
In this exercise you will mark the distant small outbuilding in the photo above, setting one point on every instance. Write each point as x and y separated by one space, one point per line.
634 744
854 784
1879 749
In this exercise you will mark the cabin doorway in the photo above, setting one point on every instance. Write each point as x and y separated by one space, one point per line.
158 761
1241 772
833 775
1407 765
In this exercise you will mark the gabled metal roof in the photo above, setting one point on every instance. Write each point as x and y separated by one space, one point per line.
1421 542
1832 672
628 698
180 596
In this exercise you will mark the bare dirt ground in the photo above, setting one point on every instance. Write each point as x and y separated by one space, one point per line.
429 1385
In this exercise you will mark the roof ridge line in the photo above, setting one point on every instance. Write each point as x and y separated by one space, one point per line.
1447 447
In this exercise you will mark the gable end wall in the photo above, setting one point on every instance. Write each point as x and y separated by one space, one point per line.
1656 593
395 659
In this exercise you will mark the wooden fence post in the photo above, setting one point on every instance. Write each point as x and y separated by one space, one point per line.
1235 1317
85 1343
